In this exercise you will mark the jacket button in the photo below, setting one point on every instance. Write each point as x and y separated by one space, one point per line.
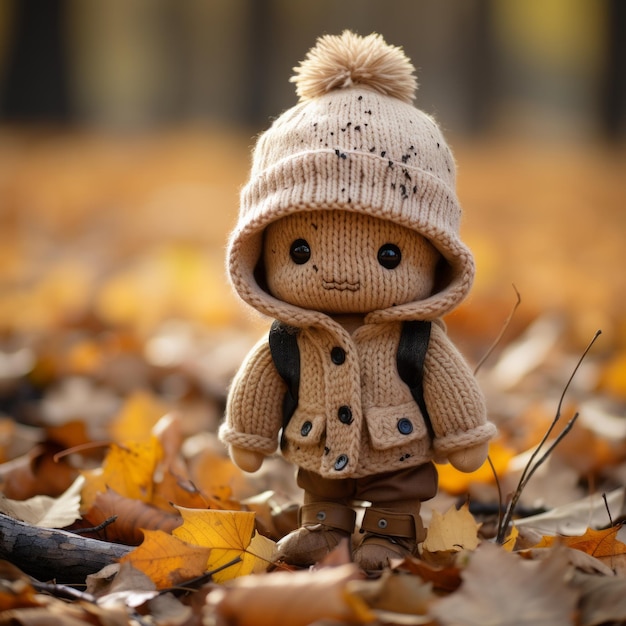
340 462
345 414
405 426
306 428
337 355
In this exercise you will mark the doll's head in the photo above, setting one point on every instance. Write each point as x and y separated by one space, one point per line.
345 262
352 167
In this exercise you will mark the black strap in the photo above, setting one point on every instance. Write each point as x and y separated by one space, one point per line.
414 341
283 340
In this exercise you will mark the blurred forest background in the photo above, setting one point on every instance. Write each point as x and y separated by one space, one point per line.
125 134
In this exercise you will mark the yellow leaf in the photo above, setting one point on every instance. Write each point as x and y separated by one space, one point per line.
509 542
448 534
141 411
229 535
167 560
128 470
456 482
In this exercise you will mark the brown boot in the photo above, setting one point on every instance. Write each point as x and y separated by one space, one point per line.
390 533
322 526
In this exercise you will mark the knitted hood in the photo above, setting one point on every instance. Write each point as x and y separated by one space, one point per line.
354 142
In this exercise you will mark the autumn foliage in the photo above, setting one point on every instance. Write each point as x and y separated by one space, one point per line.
118 339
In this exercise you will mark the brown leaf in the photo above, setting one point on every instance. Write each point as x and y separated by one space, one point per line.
602 601
499 588
446 579
132 516
294 598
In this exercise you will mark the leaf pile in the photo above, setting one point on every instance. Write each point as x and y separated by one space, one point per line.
118 338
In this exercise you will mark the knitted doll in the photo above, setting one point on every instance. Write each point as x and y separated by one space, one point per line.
348 236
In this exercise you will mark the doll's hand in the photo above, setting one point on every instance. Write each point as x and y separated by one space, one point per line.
469 459
247 460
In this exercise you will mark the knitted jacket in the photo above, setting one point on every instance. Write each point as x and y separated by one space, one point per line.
355 417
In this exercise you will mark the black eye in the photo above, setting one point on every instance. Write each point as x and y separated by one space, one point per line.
389 256
300 252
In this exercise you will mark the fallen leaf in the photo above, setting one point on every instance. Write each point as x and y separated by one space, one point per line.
167 560
500 588
15 589
294 598
448 534
395 592
44 511
601 544
229 534
602 600
447 579
139 414
131 517
127 469
575 517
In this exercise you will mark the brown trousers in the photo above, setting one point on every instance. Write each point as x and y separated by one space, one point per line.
413 483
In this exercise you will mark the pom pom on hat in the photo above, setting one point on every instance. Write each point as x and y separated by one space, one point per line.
340 61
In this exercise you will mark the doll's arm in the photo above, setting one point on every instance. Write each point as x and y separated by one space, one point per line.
254 409
455 404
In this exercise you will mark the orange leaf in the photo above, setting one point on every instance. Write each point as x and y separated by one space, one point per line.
601 544
167 560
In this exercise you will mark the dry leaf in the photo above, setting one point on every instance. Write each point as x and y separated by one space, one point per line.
141 411
446 579
448 534
131 517
574 518
168 560
500 588
229 534
395 592
602 601
294 598
127 470
44 511
601 544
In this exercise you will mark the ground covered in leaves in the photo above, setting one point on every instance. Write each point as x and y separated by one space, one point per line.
119 335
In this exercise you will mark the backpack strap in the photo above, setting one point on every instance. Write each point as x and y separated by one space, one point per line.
414 340
283 340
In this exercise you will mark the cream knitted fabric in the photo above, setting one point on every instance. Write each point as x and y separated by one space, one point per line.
354 142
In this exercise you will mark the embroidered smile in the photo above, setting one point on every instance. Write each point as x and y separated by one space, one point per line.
344 285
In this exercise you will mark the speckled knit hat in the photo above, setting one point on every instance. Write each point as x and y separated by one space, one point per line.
355 142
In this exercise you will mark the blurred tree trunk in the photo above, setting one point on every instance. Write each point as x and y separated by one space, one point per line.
36 80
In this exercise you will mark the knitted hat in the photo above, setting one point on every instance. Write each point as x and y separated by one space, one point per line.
354 142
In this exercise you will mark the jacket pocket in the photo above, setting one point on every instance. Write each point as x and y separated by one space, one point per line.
390 427
305 428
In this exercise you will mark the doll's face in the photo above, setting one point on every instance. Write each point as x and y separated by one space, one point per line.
344 262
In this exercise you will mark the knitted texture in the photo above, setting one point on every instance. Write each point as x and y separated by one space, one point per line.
358 418
351 144
349 226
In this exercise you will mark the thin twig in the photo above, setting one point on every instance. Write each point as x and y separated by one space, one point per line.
532 466
497 340
608 511
62 591
198 581
108 521
498 487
